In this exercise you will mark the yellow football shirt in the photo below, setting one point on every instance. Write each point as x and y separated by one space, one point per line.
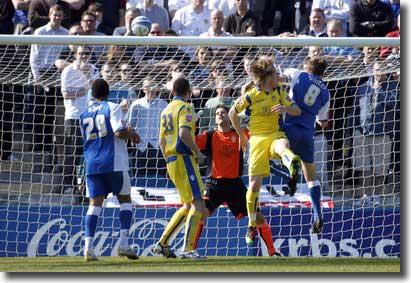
257 105
177 114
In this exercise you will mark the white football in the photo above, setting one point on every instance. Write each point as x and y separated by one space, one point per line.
141 26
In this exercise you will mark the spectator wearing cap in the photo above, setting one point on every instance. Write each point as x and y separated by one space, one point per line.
370 18
335 9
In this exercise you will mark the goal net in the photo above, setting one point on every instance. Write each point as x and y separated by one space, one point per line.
42 200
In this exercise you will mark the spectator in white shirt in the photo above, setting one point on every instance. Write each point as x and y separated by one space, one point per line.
42 57
192 20
76 79
144 116
335 9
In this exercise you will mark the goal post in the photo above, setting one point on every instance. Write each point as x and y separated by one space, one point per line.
42 201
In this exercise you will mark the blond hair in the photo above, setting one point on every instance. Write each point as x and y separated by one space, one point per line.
262 68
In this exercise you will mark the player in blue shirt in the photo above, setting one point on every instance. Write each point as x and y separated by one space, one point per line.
312 96
105 152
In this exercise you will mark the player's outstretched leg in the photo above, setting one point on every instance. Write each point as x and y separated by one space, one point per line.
124 248
90 228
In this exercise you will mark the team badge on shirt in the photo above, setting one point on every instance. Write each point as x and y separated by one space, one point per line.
233 138
239 101
189 117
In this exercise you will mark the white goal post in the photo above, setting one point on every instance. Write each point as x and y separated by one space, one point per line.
42 201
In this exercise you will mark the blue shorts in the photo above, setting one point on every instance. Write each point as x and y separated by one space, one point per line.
301 141
117 183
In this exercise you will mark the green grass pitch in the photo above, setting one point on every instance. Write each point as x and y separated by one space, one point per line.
211 264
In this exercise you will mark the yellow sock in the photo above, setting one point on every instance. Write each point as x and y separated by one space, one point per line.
173 226
192 225
252 205
287 156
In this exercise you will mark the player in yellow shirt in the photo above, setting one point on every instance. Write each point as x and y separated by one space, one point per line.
177 143
264 103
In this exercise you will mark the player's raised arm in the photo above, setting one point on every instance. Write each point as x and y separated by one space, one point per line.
235 121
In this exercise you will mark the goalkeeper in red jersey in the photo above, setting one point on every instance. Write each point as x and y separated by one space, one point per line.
223 183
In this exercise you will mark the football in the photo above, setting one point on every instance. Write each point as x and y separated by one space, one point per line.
141 26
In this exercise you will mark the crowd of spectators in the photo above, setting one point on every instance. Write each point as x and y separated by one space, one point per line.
353 101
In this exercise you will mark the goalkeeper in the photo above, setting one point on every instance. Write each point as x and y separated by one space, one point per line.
264 103
224 169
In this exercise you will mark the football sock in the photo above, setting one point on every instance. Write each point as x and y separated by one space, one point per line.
199 231
315 194
125 222
173 226
252 204
264 232
90 224
192 225
286 157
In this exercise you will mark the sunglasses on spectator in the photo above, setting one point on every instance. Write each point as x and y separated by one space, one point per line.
155 32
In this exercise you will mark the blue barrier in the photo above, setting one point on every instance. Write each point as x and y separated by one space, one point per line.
57 231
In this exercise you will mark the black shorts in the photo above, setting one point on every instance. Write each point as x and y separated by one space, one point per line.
230 191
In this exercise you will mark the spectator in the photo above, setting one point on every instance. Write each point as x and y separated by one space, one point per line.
6 17
317 26
88 24
98 10
123 86
216 25
144 116
39 11
191 20
42 57
118 54
335 9
388 51
113 12
130 15
374 120
76 79
174 5
370 18
243 22
67 53
224 97
156 14
335 29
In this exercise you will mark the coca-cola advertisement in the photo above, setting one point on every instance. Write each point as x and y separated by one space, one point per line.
58 231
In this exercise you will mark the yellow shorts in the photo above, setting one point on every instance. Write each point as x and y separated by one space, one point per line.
184 173
261 150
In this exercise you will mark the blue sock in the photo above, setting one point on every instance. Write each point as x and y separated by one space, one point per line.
125 216
90 222
315 194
